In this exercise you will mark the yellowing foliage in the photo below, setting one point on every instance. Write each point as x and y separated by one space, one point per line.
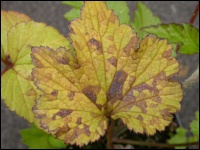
109 77
17 86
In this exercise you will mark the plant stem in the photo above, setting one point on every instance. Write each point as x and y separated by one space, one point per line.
192 80
144 143
109 135
8 65
194 15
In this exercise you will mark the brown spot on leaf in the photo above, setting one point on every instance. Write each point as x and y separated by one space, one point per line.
139 117
143 87
54 93
71 96
164 112
142 105
48 76
115 91
167 53
85 130
112 17
91 92
132 44
62 113
129 96
31 92
36 62
62 130
157 99
110 37
113 60
153 105
131 80
97 44
62 60
79 120
30 78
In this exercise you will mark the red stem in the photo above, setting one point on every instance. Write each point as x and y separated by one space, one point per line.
194 15
109 135
8 65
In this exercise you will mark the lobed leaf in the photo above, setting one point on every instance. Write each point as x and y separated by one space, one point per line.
73 13
74 4
17 86
143 17
186 35
120 8
194 127
9 19
109 77
35 138
180 137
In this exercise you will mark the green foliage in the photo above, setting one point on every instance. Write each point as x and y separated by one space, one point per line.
186 35
181 133
74 4
143 17
179 137
38 139
194 126
73 13
120 8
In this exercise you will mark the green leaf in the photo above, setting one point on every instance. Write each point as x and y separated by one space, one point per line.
17 87
37 139
121 10
73 13
74 4
179 137
143 16
194 126
174 48
184 34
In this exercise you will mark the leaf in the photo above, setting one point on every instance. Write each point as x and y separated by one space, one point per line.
180 137
120 8
143 17
194 125
74 4
109 77
186 35
73 13
17 86
35 138
9 19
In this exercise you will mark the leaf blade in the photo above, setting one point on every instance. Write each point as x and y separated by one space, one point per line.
9 19
187 36
73 13
143 17
19 43
35 138
121 10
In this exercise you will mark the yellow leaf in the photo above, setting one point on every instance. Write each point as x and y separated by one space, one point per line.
109 77
17 86
9 19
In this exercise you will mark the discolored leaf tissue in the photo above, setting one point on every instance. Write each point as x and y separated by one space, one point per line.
110 77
